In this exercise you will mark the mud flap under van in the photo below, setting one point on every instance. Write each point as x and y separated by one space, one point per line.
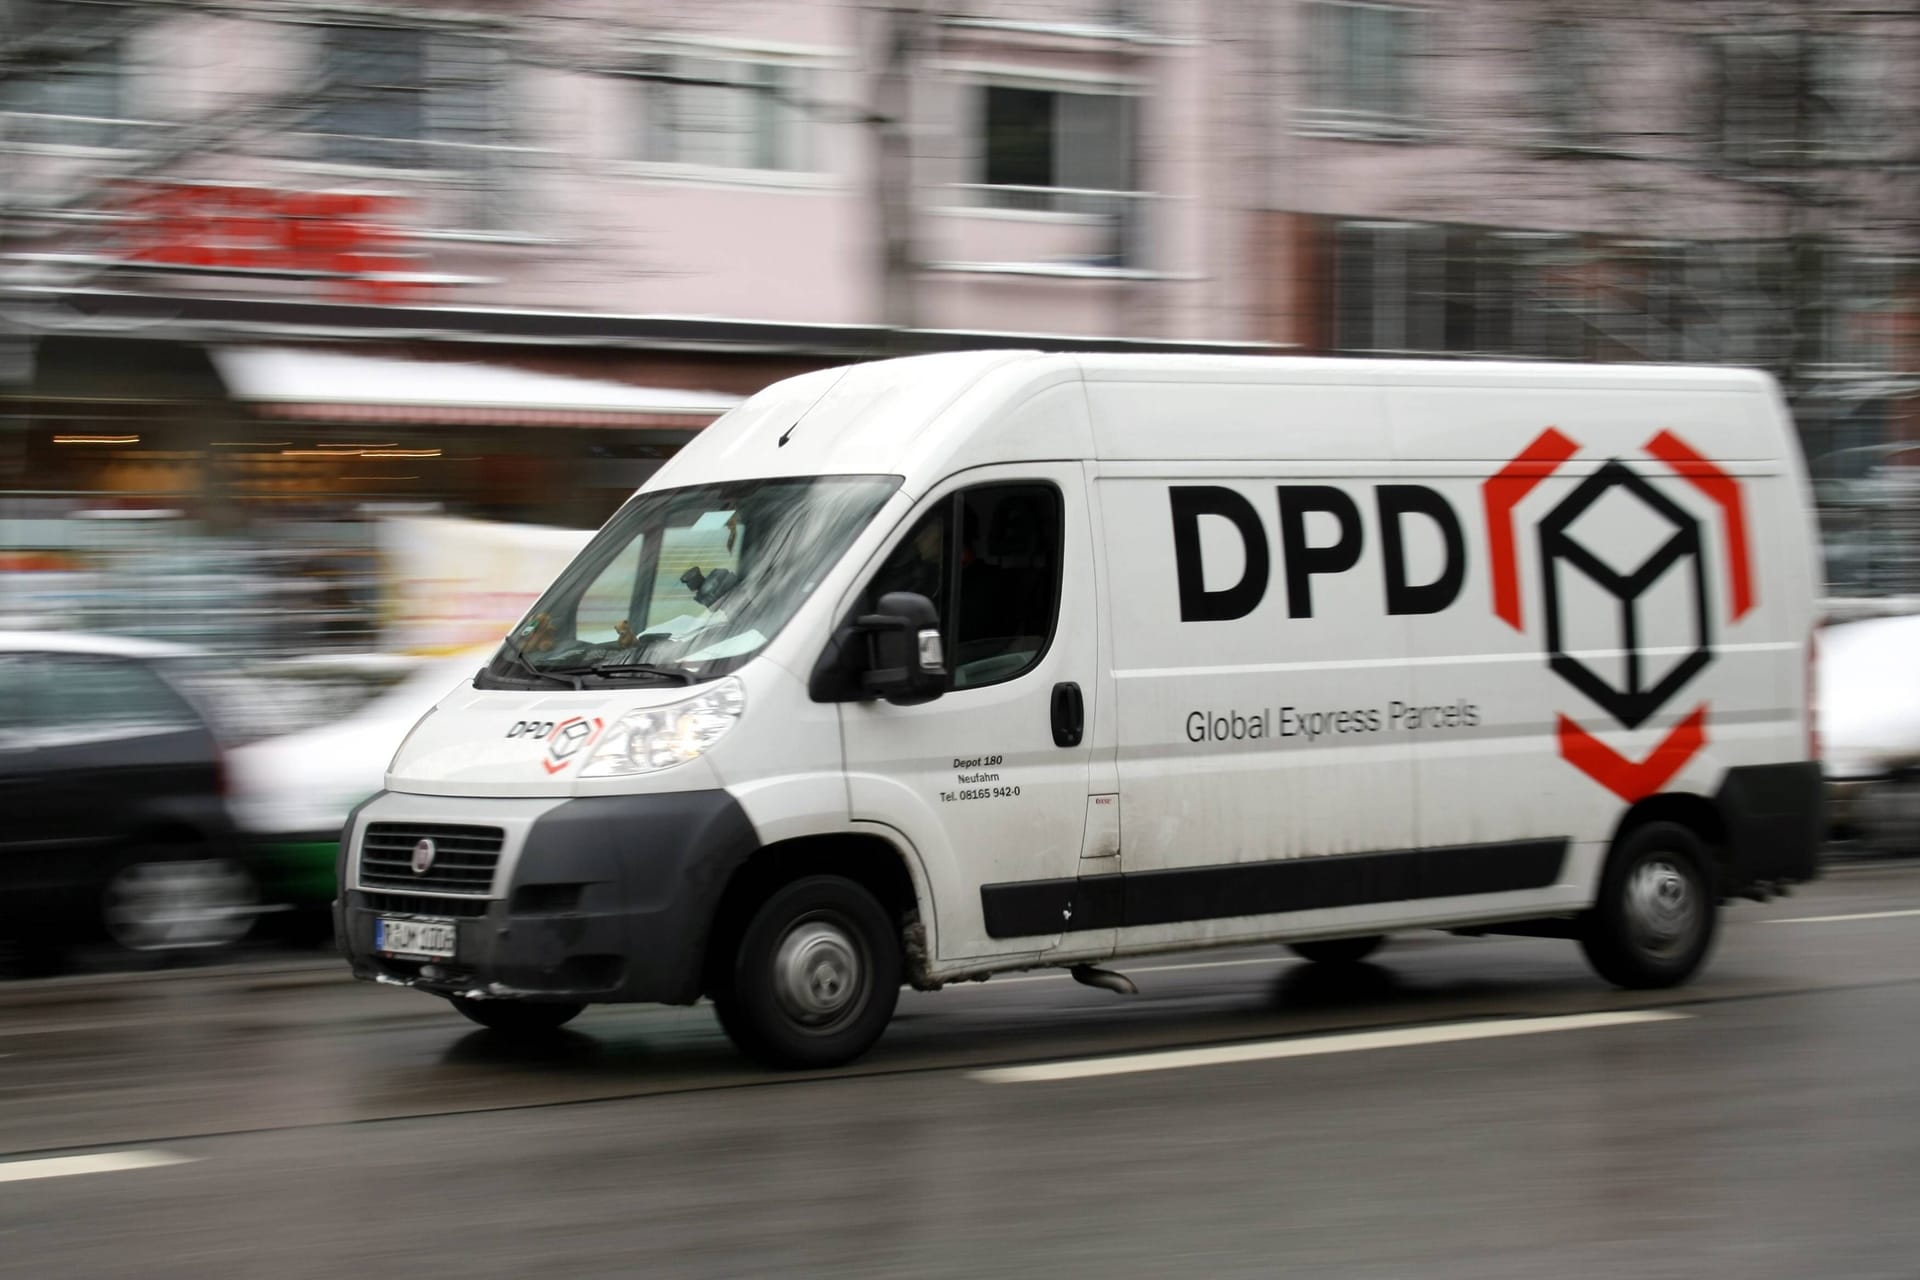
1775 816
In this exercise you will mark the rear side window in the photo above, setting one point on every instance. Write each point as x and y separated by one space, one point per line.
16 695
989 559
90 695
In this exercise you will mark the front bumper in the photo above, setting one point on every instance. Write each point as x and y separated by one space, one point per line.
579 955
598 899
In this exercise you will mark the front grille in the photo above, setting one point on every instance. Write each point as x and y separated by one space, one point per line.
412 904
463 861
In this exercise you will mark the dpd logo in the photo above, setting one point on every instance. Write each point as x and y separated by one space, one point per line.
1669 542
566 739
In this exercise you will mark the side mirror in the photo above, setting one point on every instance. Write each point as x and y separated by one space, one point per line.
906 660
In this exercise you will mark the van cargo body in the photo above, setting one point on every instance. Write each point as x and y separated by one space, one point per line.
935 668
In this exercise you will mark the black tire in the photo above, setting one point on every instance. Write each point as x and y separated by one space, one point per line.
813 977
521 1019
177 897
1338 950
1654 921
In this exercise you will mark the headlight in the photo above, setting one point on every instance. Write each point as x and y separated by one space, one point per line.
661 737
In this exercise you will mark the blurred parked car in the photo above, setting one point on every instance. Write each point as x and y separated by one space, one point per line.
111 780
1869 683
292 794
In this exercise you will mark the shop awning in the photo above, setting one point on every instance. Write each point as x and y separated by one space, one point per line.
333 386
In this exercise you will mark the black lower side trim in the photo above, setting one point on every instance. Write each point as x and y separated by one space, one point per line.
1031 908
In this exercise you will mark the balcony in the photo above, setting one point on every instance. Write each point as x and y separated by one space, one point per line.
1061 232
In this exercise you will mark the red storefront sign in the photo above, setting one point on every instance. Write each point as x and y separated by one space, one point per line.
352 240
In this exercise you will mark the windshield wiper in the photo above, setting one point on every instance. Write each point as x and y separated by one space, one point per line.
557 677
631 668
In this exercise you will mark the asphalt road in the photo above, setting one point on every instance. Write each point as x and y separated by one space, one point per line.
1460 1108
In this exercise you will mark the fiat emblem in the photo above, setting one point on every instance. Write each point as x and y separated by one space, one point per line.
423 857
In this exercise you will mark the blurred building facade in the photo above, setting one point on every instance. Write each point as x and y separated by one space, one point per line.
654 157
644 202
1726 183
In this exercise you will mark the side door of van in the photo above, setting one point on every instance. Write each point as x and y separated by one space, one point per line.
989 782
1265 784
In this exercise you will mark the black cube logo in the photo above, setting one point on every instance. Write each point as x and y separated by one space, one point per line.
566 740
1667 541
1676 548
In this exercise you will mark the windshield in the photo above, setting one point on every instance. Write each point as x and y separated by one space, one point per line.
684 585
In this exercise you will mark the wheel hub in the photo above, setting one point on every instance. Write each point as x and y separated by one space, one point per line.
1663 907
818 972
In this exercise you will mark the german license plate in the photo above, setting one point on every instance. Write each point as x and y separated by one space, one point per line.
414 937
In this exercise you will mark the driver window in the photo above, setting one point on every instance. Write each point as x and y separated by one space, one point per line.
918 564
1009 582
996 586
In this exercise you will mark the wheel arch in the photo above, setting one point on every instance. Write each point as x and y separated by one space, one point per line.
868 858
1697 814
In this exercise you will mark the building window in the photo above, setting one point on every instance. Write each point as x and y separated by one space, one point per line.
1067 152
1750 287
1387 287
396 97
1644 316
1531 291
1855 308
1404 287
723 114
76 98
1360 68
1792 98
1040 145
1847 121
1567 73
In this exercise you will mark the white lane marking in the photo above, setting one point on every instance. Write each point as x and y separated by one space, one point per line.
1857 915
99 1162
1312 1046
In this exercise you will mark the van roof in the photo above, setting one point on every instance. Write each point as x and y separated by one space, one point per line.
1335 369
921 416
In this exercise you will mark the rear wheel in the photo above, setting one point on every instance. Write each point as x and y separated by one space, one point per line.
519 1018
154 902
1655 918
814 977
1338 950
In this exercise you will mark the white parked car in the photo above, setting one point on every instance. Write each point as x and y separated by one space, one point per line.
1870 723
290 795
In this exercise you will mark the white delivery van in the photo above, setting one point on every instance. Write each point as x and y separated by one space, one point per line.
930 669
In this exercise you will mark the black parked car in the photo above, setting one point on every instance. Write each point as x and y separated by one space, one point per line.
111 784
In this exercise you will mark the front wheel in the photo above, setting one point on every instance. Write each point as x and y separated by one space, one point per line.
518 1018
814 976
1654 921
